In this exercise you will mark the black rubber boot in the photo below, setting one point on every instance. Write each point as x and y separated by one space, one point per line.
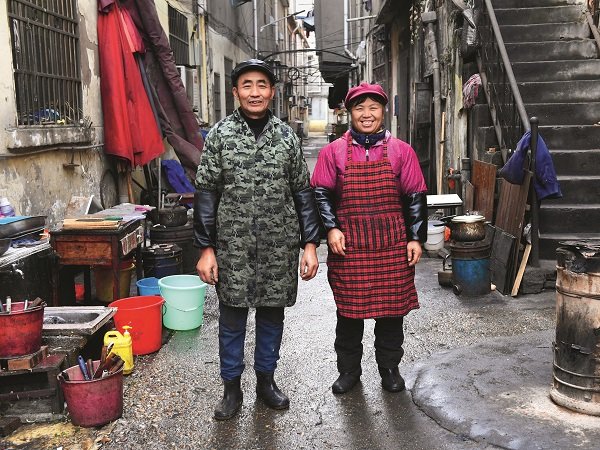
268 392
232 399
391 380
346 381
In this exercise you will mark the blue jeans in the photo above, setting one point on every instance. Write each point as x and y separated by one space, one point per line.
232 335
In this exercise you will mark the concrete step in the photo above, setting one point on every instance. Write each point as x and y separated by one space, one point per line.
538 15
533 3
545 32
580 190
556 218
565 113
560 91
566 137
549 242
571 137
556 70
576 162
552 50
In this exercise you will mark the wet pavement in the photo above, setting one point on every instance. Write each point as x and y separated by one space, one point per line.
171 403
478 373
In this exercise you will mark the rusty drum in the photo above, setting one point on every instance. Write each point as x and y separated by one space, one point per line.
576 366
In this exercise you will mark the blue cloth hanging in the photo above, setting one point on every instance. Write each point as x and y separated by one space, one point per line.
545 182
176 176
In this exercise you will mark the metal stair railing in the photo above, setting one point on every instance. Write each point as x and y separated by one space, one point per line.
593 8
591 14
506 107
504 99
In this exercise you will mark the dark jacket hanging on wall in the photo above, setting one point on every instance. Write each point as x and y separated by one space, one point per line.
545 182
177 120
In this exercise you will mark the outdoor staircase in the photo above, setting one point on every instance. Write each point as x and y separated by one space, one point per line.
556 63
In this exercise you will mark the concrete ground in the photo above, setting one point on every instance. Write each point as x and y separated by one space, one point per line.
478 373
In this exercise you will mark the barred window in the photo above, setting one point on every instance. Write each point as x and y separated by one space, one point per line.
229 103
178 37
46 62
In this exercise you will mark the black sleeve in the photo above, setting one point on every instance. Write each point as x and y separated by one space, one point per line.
415 216
325 200
205 218
308 215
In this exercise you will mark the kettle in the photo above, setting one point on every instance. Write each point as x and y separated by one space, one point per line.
122 346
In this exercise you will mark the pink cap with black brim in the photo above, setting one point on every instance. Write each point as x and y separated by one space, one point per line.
365 89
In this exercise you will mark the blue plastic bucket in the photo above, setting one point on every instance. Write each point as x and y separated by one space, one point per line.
148 286
184 301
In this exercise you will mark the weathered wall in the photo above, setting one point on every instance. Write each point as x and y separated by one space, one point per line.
219 47
455 127
37 183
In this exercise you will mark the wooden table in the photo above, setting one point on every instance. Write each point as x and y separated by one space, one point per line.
87 247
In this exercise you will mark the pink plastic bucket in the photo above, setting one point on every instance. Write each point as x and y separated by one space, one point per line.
21 331
93 403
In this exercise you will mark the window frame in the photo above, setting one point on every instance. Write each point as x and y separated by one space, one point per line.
46 64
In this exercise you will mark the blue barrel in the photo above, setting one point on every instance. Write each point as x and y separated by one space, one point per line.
162 260
471 268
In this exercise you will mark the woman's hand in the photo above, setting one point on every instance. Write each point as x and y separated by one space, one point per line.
309 262
414 251
336 241
207 267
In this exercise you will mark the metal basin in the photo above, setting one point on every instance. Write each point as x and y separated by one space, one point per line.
79 320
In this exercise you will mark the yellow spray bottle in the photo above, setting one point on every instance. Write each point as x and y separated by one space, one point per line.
122 346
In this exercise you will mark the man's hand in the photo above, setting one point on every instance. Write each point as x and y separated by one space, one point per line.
414 252
207 267
309 262
336 241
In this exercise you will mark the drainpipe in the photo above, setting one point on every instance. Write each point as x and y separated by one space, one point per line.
204 70
254 12
429 18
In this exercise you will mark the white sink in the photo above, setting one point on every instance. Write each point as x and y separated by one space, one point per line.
82 320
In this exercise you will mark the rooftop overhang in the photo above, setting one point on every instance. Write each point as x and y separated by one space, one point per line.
390 10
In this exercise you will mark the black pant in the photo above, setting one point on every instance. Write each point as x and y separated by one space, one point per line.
389 337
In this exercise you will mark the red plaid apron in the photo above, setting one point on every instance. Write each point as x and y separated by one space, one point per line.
373 279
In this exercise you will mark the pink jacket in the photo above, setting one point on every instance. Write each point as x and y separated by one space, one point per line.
331 165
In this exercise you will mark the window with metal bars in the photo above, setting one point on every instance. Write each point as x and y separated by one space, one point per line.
229 102
179 37
46 63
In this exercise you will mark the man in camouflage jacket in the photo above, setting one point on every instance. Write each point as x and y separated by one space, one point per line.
253 210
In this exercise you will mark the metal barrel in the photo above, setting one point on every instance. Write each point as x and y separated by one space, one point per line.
471 268
161 260
183 236
576 365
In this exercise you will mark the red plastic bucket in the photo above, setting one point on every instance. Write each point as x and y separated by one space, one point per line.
93 403
21 331
144 315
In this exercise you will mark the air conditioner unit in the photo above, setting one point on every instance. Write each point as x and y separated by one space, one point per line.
192 87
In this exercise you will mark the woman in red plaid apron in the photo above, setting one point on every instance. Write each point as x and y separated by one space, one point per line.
371 196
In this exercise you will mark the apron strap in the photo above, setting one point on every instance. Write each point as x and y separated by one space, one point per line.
349 147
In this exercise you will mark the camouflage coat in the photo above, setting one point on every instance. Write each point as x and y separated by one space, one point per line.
258 233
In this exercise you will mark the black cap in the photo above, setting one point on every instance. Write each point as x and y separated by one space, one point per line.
252 64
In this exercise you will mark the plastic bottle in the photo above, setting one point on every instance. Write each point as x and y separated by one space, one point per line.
122 346
6 208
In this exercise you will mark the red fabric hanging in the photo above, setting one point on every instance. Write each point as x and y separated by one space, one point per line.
130 127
